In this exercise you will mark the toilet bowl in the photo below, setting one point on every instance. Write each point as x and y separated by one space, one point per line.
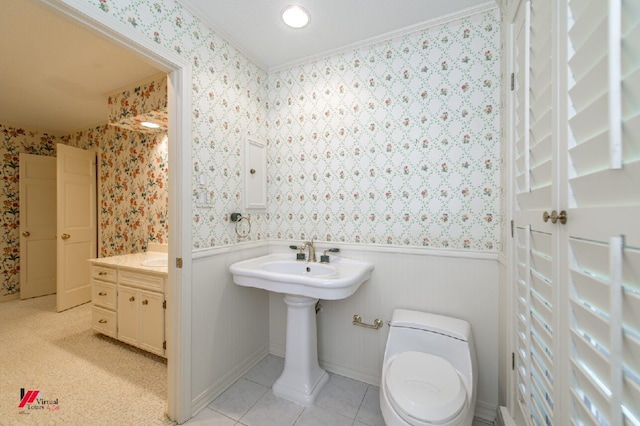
429 371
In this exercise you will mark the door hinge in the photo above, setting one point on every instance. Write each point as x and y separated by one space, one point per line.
513 81
164 304
513 361
512 229
164 345
179 262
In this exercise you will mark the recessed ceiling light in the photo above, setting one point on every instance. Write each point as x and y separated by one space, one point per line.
295 16
150 125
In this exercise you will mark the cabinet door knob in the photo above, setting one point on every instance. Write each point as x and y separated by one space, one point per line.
132 299
102 273
555 217
102 321
65 236
145 302
26 233
562 217
102 293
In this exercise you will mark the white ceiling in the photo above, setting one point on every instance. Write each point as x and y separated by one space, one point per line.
54 75
256 28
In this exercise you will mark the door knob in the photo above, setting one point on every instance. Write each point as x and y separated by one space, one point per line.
145 302
555 217
132 299
26 233
65 236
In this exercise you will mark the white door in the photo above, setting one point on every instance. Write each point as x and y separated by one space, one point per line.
577 201
535 281
601 238
37 225
76 224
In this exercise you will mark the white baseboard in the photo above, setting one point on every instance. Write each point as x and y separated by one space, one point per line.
277 349
350 373
504 418
213 391
485 414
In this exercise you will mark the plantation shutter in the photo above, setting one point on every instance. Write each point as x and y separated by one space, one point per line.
603 198
534 240
576 242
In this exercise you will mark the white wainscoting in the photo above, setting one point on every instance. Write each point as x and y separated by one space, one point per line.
230 332
455 283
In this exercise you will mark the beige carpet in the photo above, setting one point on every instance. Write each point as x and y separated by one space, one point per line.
87 378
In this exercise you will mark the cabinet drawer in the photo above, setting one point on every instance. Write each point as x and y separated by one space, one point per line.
103 273
104 321
103 294
144 281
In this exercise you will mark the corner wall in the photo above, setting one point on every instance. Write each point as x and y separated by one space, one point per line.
395 143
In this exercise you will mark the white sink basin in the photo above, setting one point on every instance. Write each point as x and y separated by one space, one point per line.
279 273
302 284
295 267
158 262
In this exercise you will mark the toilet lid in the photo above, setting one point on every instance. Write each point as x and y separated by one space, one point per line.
424 387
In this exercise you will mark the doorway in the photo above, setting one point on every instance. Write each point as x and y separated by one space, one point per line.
58 215
179 211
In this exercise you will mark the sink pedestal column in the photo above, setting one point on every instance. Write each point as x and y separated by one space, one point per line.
302 378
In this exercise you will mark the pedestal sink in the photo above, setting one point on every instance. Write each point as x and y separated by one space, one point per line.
302 284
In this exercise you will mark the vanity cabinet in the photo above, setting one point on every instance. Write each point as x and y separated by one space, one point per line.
129 305
141 318
104 298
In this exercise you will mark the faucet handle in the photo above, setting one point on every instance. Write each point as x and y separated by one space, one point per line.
300 255
325 257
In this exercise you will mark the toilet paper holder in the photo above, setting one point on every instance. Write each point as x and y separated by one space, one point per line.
357 320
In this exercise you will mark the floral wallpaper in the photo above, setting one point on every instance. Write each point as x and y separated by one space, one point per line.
229 96
395 143
14 142
143 102
132 189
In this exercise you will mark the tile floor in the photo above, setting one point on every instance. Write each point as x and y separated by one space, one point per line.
250 401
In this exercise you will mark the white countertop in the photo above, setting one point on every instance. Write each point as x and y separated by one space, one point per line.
133 262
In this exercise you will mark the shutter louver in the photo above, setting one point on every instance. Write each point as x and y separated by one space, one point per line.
534 175
604 198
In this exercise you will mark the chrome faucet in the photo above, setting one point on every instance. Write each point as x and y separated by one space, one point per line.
312 250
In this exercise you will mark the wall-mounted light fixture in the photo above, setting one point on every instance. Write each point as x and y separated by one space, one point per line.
295 16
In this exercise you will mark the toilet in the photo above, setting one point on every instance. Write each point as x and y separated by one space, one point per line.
429 374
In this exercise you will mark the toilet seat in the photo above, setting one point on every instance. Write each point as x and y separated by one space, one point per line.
424 388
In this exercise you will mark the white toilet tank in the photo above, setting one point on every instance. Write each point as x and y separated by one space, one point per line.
446 337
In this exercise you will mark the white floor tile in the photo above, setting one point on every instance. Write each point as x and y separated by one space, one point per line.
239 398
250 401
208 417
369 412
272 411
342 395
316 416
267 371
